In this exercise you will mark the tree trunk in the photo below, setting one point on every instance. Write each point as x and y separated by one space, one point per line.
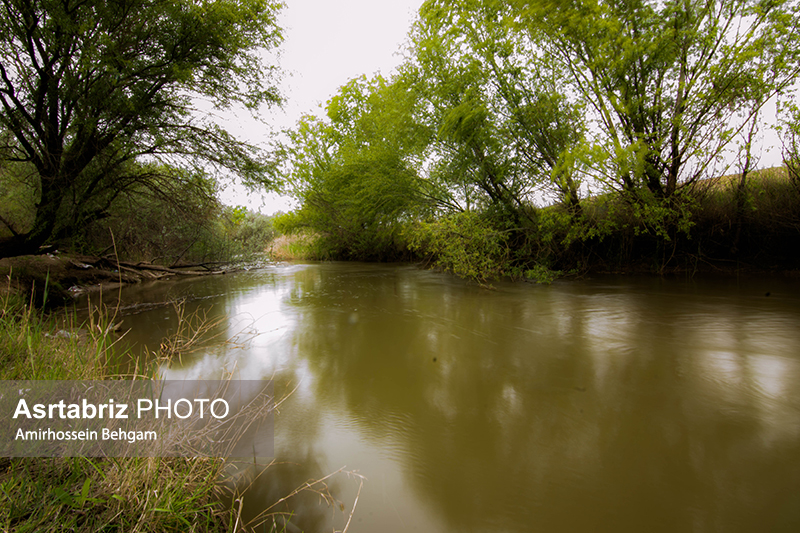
44 225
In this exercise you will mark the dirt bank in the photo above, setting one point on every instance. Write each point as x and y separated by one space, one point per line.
66 275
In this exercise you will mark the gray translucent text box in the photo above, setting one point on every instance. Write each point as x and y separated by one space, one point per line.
138 418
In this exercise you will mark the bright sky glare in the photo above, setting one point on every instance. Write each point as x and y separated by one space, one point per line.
327 43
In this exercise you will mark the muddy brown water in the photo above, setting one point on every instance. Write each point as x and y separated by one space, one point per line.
610 404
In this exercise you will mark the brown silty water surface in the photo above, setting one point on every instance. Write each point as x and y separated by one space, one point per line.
611 404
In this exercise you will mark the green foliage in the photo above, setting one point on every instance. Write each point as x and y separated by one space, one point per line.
90 88
491 114
359 208
670 84
251 231
286 223
166 227
639 212
464 244
542 274
353 174
506 132
79 494
663 218
183 223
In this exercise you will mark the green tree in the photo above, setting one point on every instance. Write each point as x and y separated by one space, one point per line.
354 173
88 87
465 244
505 133
176 224
668 84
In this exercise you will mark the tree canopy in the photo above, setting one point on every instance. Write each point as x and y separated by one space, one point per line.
93 92
504 126
355 172
668 85
519 104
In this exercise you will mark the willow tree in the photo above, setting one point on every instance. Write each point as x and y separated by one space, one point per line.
669 84
506 131
355 172
92 89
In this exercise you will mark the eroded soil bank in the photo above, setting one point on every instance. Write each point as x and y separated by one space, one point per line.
53 279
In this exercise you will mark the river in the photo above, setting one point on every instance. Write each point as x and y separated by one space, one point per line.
608 404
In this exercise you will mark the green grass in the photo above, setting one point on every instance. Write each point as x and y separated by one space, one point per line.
83 494
134 494
127 494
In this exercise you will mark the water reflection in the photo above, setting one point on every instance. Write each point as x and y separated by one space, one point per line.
606 405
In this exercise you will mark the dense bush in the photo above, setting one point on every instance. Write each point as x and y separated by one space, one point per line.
176 217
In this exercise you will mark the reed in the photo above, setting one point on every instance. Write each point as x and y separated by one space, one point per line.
296 246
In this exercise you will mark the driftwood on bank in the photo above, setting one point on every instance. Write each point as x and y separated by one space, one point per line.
63 276
128 272
135 267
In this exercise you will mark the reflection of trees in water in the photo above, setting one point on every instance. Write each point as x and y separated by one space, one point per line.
219 300
651 406
537 405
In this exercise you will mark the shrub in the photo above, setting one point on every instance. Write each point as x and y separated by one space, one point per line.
464 244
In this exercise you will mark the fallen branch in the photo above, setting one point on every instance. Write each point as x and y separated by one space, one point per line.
144 266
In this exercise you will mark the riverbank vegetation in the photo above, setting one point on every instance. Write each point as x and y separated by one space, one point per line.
94 494
188 225
150 242
103 151
136 494
516 139
525 139
99 110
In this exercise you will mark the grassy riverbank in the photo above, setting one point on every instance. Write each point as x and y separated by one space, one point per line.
94 494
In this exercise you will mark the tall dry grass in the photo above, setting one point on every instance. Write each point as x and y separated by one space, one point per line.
294 247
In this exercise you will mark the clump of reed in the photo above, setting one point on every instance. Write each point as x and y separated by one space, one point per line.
294 247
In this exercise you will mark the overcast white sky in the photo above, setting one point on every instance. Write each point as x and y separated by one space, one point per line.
327 43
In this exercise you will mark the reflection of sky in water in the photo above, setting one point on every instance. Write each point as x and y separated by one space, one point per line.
746 362
758 382
259 332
